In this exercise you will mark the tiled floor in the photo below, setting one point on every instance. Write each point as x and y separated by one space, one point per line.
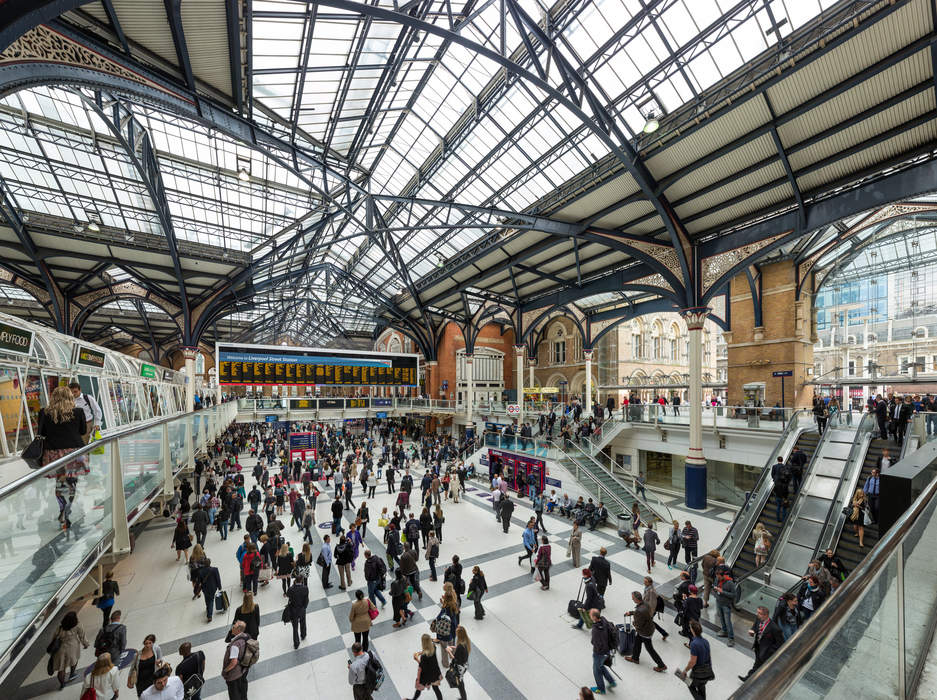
524 648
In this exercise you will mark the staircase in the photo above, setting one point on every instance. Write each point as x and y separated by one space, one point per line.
745 563
848 547
611 428
605 487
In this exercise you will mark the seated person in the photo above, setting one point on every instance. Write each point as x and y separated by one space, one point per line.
566 506
599 517
590 508
551 501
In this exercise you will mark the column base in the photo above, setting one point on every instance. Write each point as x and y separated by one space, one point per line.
695 483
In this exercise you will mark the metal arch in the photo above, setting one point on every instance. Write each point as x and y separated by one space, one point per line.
174 17
755 286
743 264
634 311
147 168
491 311
537 327
85 311
233 26
603 125
154 347
382 326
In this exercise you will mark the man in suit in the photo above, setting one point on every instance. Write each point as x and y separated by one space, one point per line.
902 413
297 600
871 490
601 571
211 584
797 460
881 415
767 638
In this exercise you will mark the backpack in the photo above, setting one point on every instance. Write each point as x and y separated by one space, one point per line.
443 626
105 640
251 653
660 605
373 674
255 564
612 634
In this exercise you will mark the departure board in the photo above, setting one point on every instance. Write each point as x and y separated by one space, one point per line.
281 366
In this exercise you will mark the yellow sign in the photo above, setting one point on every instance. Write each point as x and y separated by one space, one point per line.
541 390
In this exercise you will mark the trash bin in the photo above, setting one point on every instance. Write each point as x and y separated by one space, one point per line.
753 418
624 524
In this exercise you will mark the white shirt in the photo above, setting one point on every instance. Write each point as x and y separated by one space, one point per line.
106 684
90 408
172 691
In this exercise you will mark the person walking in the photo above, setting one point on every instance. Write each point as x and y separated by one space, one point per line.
104 678
543 563
643 618
673 544
375 571
529 538
200 524
360 618
211 583
725 599
593 599
192 664
651 540
459 656
410 568
70 638
699 668
601 570
249 613
603 634
766 639
233 673
63 426
505 511
285 564
428 674
399 598
110 589
358 674
181 540
477 588
574 546
144 666
344 556
432 553
297 599
111 639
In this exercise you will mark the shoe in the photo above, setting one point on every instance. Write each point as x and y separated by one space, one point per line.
342 588
669 567
721 634
329 586
596 691
743 678
664 637
612 684
632 659
686 644
730 643
660 669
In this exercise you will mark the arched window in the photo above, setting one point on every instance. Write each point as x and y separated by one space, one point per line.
656 333
394 344
200 364
558 347
637 340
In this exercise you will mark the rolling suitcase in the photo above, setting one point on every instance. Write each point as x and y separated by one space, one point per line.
626 639
572 607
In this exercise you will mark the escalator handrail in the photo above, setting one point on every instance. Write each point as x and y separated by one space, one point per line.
776 547
792 424
856 454
59 463
643 501
785 667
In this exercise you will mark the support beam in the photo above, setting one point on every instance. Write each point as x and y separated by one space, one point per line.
174 16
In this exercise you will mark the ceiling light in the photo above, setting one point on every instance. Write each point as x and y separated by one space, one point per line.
440 260
92 226
78 227
243 175
651 125
24 218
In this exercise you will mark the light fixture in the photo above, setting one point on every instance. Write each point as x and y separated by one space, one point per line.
93 226
440 260
244 168
651 125
78 228
243 175
25 218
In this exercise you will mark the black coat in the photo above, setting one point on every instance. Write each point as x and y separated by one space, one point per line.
771 639
601 570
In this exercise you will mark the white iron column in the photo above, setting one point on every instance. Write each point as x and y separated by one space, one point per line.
519 352
469 389
587 399
695 462
189 355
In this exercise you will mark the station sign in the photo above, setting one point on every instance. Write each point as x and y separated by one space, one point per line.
88 357
514 409
783 373
147 371
15 339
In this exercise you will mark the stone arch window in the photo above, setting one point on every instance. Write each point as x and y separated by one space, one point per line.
558 346
920 332
657 332
674 342
394 345
200 363
637 340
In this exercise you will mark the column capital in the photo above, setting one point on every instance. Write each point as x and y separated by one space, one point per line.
469 358
520 349
587 353
695 316
189 353
433 363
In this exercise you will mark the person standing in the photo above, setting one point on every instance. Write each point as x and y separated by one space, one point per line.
689 537
538 509
506 511
767 637
344 555
725 599
543 563
593 599
601 571
673 542
574 546
233 673
360 618
643 618
374 572
144 666
871 490
432 553
603 632
651 540
699 668
477 588
90 408
297 599
325 561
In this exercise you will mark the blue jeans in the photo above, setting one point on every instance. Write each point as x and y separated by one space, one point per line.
931 419
373 593
725 617
787 630
600 672
235 520
223 528
211 515
781 508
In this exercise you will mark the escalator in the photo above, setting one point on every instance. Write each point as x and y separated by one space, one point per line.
599 481
816 515
745 561
848 547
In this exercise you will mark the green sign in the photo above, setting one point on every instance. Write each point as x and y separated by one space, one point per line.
88 357
147 371
13 339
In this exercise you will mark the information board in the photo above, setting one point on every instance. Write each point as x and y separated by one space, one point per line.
286 366
88 357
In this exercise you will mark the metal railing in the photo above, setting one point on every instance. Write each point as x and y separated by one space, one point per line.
872 637
97 491
743 417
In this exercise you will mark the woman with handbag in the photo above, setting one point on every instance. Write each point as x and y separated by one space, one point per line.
543 562
104 678
303 565
60 431
458 655
145 663
284 566
181 540
360 617
399 598
672 545
857 517
428 674
762 540
249 613
477 588
445 628
69 639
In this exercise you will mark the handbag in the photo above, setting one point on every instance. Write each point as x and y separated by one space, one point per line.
321 560
32 455
373 612
192 685
667 545
54 645
96 437
702 672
